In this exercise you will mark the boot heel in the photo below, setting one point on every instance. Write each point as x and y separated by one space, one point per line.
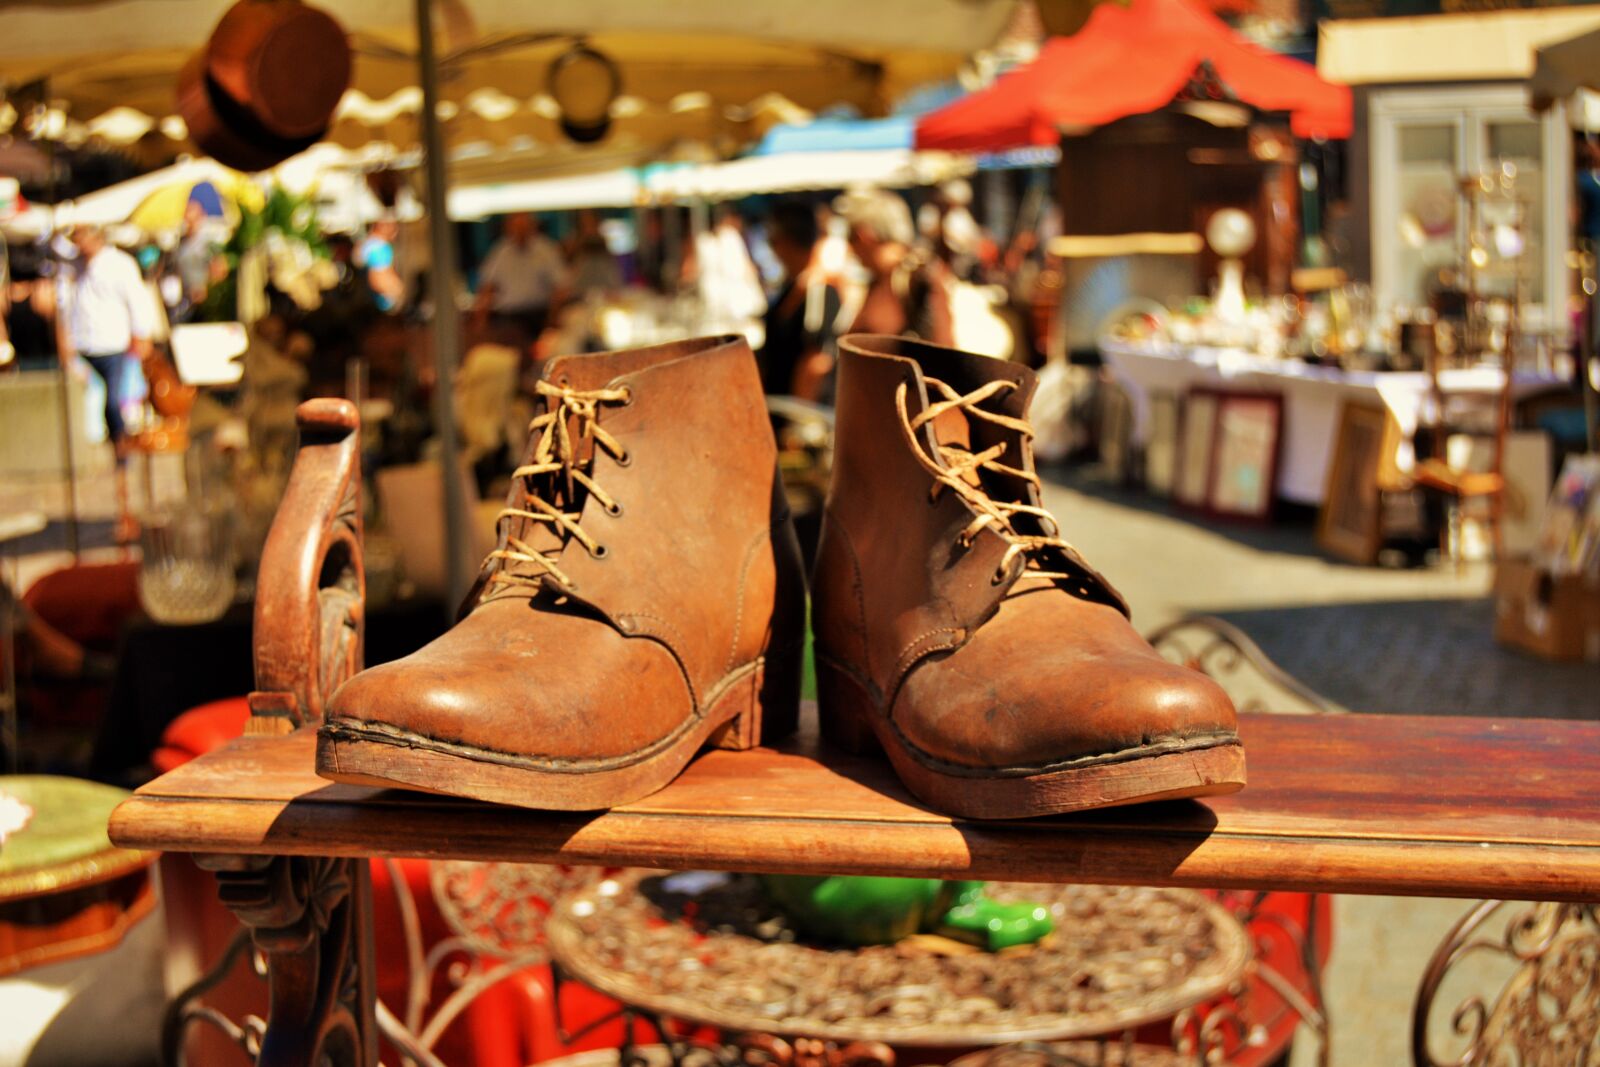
779 698
742 707
844 711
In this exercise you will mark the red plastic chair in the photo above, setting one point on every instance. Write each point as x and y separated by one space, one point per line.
90 603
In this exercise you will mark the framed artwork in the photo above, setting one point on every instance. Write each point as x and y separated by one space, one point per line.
1196 429
1116 430
1161 448
1244 458
1227 463
1350 525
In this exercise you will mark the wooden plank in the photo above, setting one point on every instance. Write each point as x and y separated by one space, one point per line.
1343 803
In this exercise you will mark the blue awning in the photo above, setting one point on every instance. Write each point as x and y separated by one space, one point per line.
838 135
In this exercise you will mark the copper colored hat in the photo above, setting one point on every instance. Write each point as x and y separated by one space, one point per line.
266 84
225 131
286 63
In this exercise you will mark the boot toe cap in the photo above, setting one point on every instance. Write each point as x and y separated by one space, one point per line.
1044 701
594 696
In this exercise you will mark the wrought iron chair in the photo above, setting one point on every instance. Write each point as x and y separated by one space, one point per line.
1291 930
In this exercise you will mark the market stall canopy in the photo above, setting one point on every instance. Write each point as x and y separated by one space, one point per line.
618 188
753 175
159 196
1129 61
894 168
832 134
1564 69
1477 46
688 68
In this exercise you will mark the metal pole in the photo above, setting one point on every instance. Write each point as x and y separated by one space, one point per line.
73 544
446 319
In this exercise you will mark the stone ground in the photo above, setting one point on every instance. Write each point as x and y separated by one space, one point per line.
1370 639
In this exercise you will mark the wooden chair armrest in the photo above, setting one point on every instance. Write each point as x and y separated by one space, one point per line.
311 588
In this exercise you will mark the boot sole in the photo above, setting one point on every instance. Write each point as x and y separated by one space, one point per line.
1201 767
362 753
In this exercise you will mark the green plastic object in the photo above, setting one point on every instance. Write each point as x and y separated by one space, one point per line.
998 925
881 911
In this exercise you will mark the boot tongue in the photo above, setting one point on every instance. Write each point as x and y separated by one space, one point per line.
952 430
555 488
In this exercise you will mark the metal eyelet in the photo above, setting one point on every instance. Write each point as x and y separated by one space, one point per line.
615 510
627 398
998 576
599 552
625 460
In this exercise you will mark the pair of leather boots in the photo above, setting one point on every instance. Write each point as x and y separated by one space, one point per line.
647 598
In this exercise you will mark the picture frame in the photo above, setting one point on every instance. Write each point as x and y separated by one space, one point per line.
1161 446
1244 457
1351 522
1197 423
1228 449
1116 432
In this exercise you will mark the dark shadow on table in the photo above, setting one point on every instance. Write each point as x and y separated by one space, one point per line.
1418 657
163 671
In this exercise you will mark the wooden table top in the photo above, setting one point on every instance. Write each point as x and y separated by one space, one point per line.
1433 806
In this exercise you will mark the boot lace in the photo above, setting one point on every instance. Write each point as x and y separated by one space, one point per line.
571 416
958 464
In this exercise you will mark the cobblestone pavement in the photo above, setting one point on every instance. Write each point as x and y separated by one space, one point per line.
1417 641
1371 639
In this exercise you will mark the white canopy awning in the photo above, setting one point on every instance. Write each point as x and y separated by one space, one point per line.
691 69
754 175
618 188
894 168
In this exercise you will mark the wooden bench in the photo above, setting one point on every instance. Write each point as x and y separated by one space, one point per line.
1336 804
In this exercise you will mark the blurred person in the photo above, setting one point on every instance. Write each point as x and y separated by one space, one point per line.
907 293
376 256
1586 157
520 279
106 315
958 236
802 319
592 266
337 325
197 258
724 273
651 256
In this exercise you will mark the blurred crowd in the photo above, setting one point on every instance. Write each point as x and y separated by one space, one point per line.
792 274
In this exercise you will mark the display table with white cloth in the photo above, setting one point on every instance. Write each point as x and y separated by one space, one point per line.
1313 397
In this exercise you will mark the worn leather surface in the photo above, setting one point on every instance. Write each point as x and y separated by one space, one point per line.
700 577
973 667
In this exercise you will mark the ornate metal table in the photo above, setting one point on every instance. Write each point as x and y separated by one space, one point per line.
1119 958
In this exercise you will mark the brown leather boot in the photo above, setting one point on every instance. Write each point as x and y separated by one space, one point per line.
956 628
646 598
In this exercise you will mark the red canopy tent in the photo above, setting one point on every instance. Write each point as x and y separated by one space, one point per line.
1130 61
